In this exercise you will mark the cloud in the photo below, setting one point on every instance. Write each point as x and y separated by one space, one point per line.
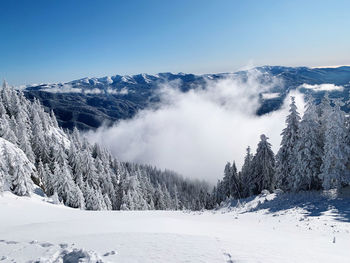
268 96
197 132
92 91
123 91
322 87
66 88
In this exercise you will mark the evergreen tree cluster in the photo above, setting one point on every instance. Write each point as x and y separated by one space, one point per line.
314 155
79 174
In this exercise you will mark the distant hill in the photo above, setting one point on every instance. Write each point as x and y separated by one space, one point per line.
89 102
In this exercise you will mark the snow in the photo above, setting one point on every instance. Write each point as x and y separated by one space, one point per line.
145 77
266 228
14 151
60 136
128 79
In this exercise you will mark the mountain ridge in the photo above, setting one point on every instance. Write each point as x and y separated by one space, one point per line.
111 98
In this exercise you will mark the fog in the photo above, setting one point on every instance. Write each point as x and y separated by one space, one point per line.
197 132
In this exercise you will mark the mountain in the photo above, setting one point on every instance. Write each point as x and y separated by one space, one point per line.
87 103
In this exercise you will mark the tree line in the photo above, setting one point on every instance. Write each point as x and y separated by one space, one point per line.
314 154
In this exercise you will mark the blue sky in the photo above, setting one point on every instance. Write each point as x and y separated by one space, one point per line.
53 41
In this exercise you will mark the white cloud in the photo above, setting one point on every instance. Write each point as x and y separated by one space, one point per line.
92 91
322 87
123 91
268 96
66 88
196 132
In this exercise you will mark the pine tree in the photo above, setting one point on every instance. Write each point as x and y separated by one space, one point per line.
286 157
21 181
263 167
234 183
334 173
226 181
246 173
308 151
159 202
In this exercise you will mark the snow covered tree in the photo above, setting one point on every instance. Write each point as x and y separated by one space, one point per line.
226 181
308 151
263 167
334 172
246 173
21 181
67 191
5 130
235 184
159 202
286 157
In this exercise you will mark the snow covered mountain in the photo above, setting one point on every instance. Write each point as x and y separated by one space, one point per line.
107 99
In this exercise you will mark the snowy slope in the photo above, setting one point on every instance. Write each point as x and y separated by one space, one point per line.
32 228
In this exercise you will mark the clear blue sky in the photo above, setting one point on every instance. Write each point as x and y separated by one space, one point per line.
52 40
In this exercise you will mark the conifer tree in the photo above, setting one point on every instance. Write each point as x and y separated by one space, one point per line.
21 182
334 172
263 167
309 151
286 157
246 173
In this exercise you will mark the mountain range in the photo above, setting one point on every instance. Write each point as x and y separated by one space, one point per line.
90 102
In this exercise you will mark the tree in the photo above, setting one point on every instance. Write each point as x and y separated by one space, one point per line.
308 151
286 157
263 167
246 173
234 184
334 173
159 202
226 181
21 181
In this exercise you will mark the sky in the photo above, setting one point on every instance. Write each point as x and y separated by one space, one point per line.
57 41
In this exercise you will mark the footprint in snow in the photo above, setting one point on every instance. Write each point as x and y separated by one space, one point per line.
110 253
46 244
11 242
228 258
63 245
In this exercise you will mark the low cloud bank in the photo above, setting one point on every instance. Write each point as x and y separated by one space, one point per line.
322 87
197 132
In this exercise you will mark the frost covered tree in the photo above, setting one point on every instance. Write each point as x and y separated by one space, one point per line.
263 167
308 151
226 181
246 173
235 183
21 181
334 172
286 157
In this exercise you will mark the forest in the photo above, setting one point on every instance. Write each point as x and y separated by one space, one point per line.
314 154
36 151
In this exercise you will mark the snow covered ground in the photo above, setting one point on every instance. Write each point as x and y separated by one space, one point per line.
261 229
